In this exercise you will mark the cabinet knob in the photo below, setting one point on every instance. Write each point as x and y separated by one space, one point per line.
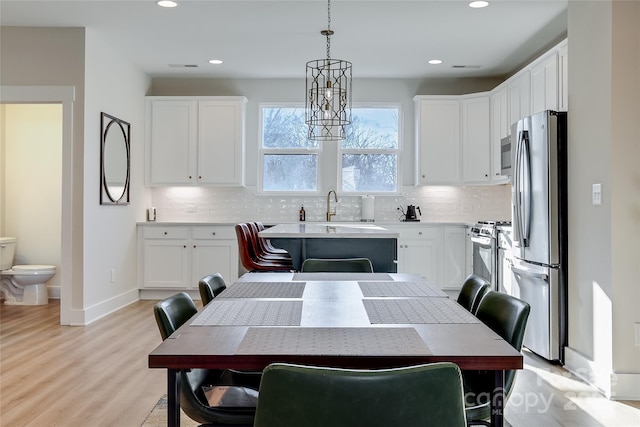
486 175
213 234
194 246
165 233
185 246
199 177
190 176
420 233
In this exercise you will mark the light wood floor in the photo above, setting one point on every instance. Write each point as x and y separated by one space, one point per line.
97 375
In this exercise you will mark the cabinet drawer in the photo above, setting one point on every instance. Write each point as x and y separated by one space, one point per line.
166 232
214 232
420 233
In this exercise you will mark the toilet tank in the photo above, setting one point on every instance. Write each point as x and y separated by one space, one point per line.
7 251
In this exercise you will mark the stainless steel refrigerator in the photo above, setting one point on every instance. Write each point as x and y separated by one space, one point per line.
539 219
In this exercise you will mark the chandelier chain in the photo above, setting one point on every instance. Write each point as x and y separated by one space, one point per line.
328 29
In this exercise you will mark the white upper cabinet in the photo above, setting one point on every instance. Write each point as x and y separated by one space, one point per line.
519 92
438 140
499 130
563 78
195 141
476 139
544 84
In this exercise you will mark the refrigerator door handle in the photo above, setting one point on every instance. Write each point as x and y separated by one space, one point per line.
517 189
526 272
526 190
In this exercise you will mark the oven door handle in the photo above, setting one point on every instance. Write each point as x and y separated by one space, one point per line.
528 273
485 241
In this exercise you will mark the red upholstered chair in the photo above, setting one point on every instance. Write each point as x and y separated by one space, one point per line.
267 243
250 257
263 251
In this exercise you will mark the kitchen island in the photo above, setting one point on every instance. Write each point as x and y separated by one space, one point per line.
327 240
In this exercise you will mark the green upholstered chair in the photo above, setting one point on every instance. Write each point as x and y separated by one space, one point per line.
472 291
339 265
235 392
210 287
424 395
507 316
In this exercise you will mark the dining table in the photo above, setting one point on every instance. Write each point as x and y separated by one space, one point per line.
348 320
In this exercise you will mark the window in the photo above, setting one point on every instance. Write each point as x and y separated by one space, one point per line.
369 154
367 158
289 159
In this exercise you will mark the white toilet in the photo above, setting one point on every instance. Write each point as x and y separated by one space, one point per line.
22 284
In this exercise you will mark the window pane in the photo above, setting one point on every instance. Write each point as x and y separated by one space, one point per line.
285 128
289 172
369 172
372 128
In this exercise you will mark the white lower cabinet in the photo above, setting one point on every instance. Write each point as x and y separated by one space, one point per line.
455 268
438 253
177 257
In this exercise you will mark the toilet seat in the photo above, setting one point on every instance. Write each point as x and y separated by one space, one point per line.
30 270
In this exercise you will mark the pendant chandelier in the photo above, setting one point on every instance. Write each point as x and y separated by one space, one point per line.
328 93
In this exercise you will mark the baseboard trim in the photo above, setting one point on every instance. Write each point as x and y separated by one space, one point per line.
625 386
587 370
615 386
104 308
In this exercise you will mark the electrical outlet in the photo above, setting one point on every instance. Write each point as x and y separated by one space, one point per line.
113 275
596 194
637 331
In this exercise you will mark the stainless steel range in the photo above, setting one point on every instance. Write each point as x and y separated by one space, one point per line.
485 250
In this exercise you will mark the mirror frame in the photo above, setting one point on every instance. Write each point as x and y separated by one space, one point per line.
107 123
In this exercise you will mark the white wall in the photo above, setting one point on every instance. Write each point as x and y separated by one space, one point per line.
54 58
32 165
114 86
604 147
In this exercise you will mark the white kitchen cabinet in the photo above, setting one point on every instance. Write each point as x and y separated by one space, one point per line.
544 83
499 130
195 141
420 252
438 140
476 139
165 260
455 257
563 77
177 257
519 93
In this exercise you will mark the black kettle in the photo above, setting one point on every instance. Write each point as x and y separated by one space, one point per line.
411 215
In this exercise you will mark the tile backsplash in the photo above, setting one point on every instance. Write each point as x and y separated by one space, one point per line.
230 205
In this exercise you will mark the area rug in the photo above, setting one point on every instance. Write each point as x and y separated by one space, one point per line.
158 416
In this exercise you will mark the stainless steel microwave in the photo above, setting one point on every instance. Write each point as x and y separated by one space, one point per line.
505 156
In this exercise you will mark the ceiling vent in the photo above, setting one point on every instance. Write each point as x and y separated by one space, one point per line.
465 66
183 66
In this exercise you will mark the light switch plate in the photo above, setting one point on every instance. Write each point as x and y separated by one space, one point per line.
637 333
596 194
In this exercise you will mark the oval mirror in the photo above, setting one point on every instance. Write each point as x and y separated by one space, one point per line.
115 162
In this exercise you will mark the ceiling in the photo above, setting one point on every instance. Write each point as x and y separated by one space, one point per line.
274 39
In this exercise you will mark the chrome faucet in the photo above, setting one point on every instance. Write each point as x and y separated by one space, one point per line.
329 213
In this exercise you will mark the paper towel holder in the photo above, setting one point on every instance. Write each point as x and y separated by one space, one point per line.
367 211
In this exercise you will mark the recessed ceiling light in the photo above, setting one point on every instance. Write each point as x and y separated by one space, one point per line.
166 3
478 4
435 61
216 61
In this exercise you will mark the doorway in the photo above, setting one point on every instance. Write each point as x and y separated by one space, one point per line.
63 95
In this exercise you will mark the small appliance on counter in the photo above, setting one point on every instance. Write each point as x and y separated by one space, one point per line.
410 215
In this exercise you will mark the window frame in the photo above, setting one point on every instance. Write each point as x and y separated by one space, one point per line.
262 151
396 151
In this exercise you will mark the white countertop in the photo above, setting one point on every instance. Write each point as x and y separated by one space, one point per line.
327 230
